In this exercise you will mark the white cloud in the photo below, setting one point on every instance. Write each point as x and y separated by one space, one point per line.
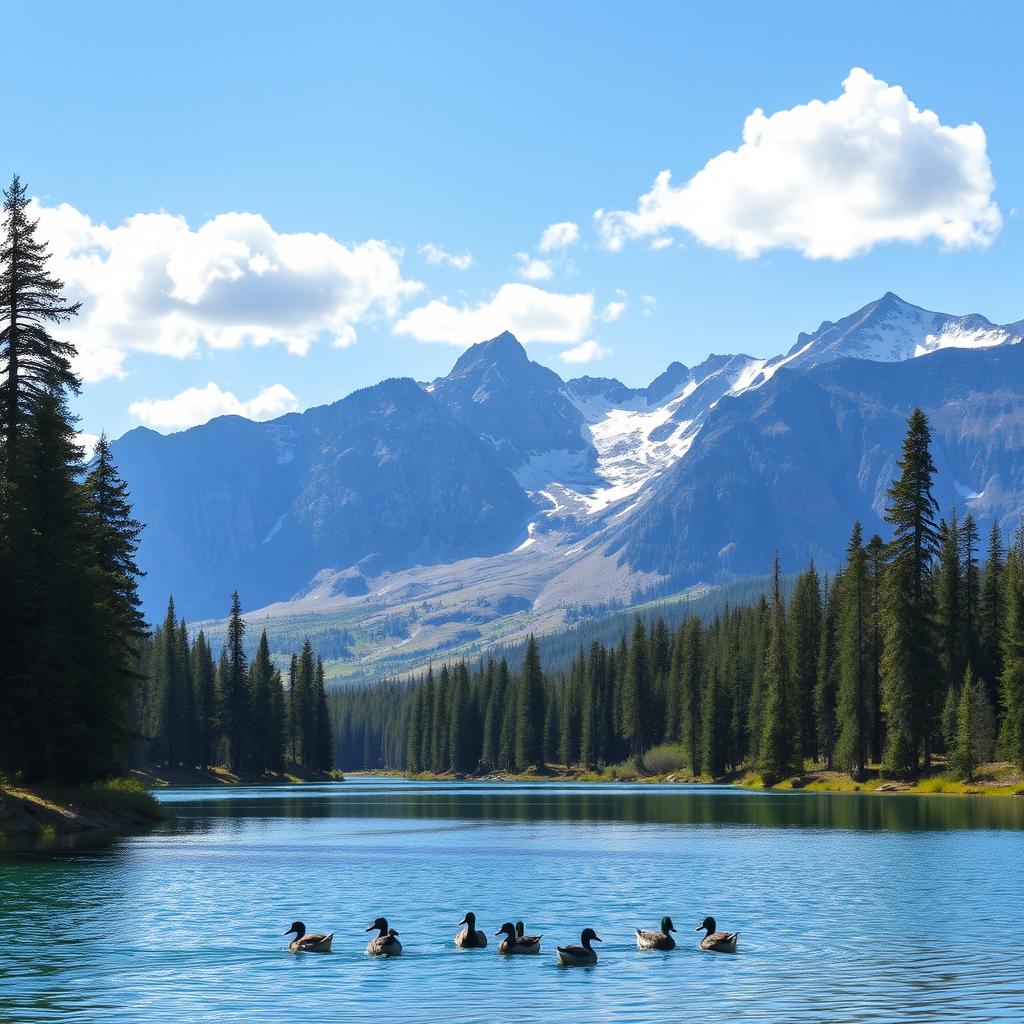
559 236
153 284
440 257
661 243
197 405
530 313
613 311
585 352
87 442
829 179
532 269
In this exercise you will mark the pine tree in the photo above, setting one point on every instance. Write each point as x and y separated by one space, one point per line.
261 682
1012 689
949 606
635 689
854 691
204 682
714 726
34 366
324 736
780 752
530 709
911 681
967 754
691 683
804 639
234 705
991 615
876 571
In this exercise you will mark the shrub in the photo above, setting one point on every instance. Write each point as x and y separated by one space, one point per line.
665 758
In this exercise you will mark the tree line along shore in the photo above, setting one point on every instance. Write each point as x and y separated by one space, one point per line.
906 666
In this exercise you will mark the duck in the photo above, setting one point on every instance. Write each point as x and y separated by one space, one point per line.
582 955
520 928
715 941
514 944
313 942
657 940
385 943
470 937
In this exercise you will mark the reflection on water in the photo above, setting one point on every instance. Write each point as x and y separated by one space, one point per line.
850 908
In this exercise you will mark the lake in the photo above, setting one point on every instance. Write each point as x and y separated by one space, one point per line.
849 907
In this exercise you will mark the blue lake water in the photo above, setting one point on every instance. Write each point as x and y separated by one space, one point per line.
850 908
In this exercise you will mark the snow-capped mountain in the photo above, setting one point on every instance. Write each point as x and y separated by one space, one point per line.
501 489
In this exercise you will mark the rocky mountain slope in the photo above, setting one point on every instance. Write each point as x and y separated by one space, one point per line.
500 498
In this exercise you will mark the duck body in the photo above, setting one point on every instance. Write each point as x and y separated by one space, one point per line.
582 955
470 937
657 940
520 933
385 942
517 945
715 941
308 942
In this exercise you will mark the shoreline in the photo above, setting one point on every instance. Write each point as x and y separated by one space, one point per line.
156 777
48 811
1000 780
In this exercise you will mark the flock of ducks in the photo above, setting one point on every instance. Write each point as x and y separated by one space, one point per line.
515 942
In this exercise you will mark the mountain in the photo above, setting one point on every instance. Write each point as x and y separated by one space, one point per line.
386 476
416 519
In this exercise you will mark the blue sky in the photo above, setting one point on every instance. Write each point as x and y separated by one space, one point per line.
387 128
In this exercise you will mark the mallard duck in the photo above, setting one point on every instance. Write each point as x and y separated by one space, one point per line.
515 944
469 937
385 943
657 940
582 955
315 942
520 928
715 941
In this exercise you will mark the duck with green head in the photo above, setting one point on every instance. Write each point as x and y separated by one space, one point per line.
308 942
583 955
385 942
517 945
715 941
470 937
657 940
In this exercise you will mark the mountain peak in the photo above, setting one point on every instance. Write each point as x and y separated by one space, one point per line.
503 350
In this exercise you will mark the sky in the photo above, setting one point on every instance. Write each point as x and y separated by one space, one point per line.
265 207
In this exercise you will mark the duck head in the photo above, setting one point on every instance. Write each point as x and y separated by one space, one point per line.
508 929
707 925
469 921
667 925
298 928
379 925
589 936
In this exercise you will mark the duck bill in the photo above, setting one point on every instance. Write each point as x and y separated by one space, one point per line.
596 939
464 921
374 928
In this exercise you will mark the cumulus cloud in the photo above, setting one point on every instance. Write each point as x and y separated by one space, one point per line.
559 236
154 284
530 313
585 352
613 311
829 179
531 269
440 257
193 406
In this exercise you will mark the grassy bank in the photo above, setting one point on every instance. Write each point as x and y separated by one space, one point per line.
119 805
220 775
666 764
